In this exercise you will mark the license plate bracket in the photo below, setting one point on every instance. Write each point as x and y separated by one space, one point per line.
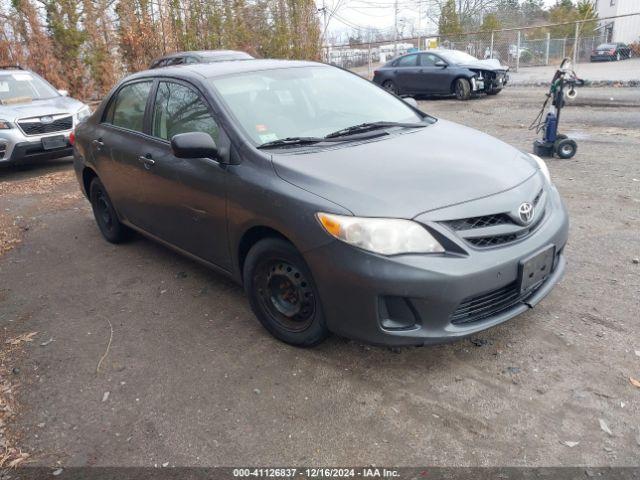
534 269
51 143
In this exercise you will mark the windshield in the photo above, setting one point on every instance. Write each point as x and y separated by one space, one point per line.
455 56
606 46
306 102
19 87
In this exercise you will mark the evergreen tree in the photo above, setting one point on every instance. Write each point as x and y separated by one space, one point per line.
449 24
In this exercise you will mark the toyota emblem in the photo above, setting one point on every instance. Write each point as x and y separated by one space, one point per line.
526 212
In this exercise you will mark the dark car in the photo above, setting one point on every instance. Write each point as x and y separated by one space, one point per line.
442 72
611 52
202 56
338 206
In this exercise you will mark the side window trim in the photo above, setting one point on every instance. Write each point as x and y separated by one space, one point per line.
152 104
108 110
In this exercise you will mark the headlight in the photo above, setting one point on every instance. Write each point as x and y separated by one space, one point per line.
83 113
5 125
387 236
543 167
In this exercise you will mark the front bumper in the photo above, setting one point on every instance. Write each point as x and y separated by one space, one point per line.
16 148
359 289
491 84
603 58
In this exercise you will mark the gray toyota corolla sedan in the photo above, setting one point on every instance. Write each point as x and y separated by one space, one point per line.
340 207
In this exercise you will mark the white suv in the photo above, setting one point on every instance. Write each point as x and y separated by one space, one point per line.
35 118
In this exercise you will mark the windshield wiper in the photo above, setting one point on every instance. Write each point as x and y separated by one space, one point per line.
368 126
283 142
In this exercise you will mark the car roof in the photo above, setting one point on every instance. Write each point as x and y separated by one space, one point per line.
13 69
205 54
219 69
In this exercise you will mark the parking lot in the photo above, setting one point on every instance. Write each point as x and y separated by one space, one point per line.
187 376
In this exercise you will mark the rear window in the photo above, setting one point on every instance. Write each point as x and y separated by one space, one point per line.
127 108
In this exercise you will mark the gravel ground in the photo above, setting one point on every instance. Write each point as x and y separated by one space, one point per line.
190 378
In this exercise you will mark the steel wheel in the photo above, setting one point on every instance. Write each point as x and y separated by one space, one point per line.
103 214
106 217
285 294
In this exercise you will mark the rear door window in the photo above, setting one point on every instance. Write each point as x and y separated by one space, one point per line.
126 110
179 109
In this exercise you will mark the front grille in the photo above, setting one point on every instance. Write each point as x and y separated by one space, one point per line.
464 224
36 127
489 304
479 222
493 241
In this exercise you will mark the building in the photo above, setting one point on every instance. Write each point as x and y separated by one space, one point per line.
626 29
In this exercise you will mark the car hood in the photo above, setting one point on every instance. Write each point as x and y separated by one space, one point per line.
39 108
489 64
406 174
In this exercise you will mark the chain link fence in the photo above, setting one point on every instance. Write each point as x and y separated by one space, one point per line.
516 48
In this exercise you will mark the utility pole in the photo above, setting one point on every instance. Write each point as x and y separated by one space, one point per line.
419 21
395 26
576 45
324 17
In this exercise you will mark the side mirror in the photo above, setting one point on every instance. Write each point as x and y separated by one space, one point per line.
194 145
410 101
441 63
64 93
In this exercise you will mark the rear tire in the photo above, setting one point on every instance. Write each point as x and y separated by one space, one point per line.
462 89
106 217
390 86
565 148
282 293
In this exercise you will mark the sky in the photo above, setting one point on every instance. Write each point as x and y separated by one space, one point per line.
344 15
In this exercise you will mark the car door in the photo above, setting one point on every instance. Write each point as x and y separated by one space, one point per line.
406 73
434 78
117 146
185 199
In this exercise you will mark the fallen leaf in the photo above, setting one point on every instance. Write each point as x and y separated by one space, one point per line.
605 428
25 337
571 444
105 397
17 461
634 382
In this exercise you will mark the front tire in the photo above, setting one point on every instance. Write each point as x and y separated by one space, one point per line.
282 293
462 89
106 217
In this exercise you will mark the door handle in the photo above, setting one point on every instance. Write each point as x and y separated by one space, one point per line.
147 161
98 143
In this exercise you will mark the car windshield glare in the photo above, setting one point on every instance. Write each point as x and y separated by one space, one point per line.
22 87
606 46
455 57
314 101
